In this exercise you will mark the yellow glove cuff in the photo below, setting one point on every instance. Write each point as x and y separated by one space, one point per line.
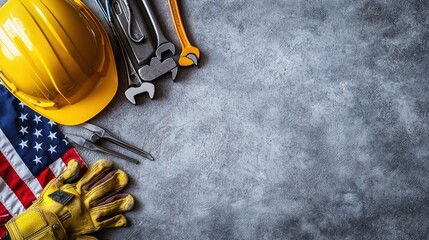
36 224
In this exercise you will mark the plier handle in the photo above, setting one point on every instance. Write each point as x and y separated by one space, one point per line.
98 134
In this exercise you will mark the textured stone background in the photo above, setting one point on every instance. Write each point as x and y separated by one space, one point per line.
305 120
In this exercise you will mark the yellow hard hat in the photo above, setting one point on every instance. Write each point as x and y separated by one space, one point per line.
56 58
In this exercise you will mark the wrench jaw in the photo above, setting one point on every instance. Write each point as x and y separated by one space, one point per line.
188 60
132 92
174 73
189 56
157 68
164 48
193 58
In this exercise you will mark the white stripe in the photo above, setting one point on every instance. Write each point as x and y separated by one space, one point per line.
18 164
57 167
9 199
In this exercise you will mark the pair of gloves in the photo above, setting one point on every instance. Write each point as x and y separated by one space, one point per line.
69 208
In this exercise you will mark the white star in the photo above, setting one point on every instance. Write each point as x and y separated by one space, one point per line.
65 141
37 119
38 146
23 117
21 104
52 135
52 149
23 144
37 160
51 123
23 130
38 133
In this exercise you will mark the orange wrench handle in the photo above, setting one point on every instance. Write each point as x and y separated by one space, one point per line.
178 25
189 54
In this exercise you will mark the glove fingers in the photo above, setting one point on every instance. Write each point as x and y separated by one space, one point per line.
111 183
94 173
113 222
71 173
115 204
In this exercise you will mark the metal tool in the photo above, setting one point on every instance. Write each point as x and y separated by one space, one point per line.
190 54
163 44
129 16
130 70
132 92
140 52
152 70
157 68
98 133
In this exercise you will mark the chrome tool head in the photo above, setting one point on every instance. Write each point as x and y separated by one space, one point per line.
165 47
95 129
76 139
194 58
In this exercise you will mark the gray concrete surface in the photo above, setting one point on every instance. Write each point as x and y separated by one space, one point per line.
305 120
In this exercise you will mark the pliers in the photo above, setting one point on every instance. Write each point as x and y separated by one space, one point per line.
98 133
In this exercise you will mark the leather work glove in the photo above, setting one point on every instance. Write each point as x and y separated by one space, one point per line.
84 237
66 209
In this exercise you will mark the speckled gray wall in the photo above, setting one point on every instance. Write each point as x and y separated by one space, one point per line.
306 120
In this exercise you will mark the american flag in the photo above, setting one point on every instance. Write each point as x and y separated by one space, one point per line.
33 151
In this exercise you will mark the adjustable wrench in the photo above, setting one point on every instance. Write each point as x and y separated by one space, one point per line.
189 54
163 44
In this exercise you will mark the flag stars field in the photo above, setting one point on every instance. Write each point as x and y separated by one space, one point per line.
38 133
52 135
51 123
23 130
52 149
23 144
37 160
38 146
23 117
37 119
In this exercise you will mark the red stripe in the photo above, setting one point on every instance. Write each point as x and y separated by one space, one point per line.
72 154
45 177
4 217
4 214
21 190
2 231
